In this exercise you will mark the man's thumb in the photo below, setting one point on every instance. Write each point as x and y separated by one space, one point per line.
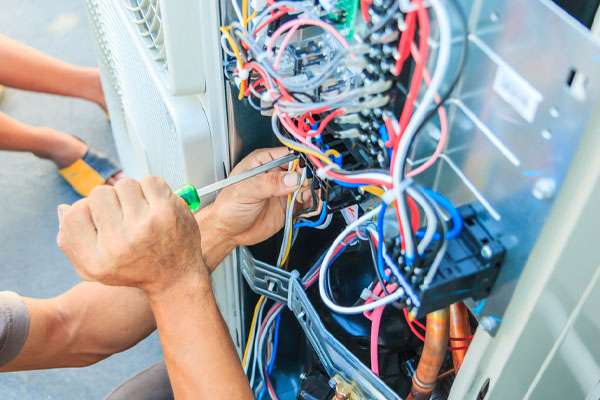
278 183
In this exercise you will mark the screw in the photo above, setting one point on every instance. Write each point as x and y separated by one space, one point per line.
303 376
486 252
544 188
488 324
484 389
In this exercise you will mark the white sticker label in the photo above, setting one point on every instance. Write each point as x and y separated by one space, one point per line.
518 92
350 214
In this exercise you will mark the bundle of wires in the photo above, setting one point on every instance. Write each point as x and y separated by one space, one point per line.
299 121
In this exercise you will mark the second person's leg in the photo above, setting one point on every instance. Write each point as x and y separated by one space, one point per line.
59 147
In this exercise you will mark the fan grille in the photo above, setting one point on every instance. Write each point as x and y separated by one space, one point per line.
146 16
143 109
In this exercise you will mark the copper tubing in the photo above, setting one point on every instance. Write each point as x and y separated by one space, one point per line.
459 328
434 350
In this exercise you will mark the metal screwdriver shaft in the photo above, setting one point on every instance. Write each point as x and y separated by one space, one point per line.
192 196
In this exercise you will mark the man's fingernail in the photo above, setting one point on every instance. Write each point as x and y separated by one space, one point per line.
61 211
292 179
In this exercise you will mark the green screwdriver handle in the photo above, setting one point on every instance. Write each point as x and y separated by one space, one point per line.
190 195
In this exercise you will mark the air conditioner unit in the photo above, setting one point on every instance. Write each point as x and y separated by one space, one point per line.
166 101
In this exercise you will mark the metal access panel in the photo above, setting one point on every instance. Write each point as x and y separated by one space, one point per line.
529 89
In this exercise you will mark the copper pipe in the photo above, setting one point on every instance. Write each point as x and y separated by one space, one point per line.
459 328
434 350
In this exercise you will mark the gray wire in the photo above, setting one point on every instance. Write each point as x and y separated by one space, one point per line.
430 215
392 10
254 361
440 255
236 8
262 341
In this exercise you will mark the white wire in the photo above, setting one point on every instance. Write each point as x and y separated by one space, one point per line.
397 295
424 105
225 46
288 220
431 218
238 12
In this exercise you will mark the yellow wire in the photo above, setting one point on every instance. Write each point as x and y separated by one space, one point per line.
242 90
251 333
244 13
238 56
377 191
289 242
333 152
254 14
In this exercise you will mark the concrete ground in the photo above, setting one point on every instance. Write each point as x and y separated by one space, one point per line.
30 262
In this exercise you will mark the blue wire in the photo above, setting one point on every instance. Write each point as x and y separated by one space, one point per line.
350 185
311 224
380 263
477 309
262 393
457 223
275 341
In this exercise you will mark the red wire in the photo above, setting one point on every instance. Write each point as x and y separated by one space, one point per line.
325 121
420 325
423 19
417 334
408 36
364 9
415 217
278 14
458 348
412 328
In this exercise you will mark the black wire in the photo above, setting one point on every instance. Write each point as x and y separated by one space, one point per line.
259 108
315 201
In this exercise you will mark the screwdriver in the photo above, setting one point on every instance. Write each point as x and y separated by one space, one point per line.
192 196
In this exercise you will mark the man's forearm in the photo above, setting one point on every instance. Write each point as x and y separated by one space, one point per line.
82 326
199 353
215 246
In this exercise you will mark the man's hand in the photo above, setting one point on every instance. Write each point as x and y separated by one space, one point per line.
144 235
133 234
251 211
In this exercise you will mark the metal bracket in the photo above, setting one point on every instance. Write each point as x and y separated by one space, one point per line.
263 278
336 359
